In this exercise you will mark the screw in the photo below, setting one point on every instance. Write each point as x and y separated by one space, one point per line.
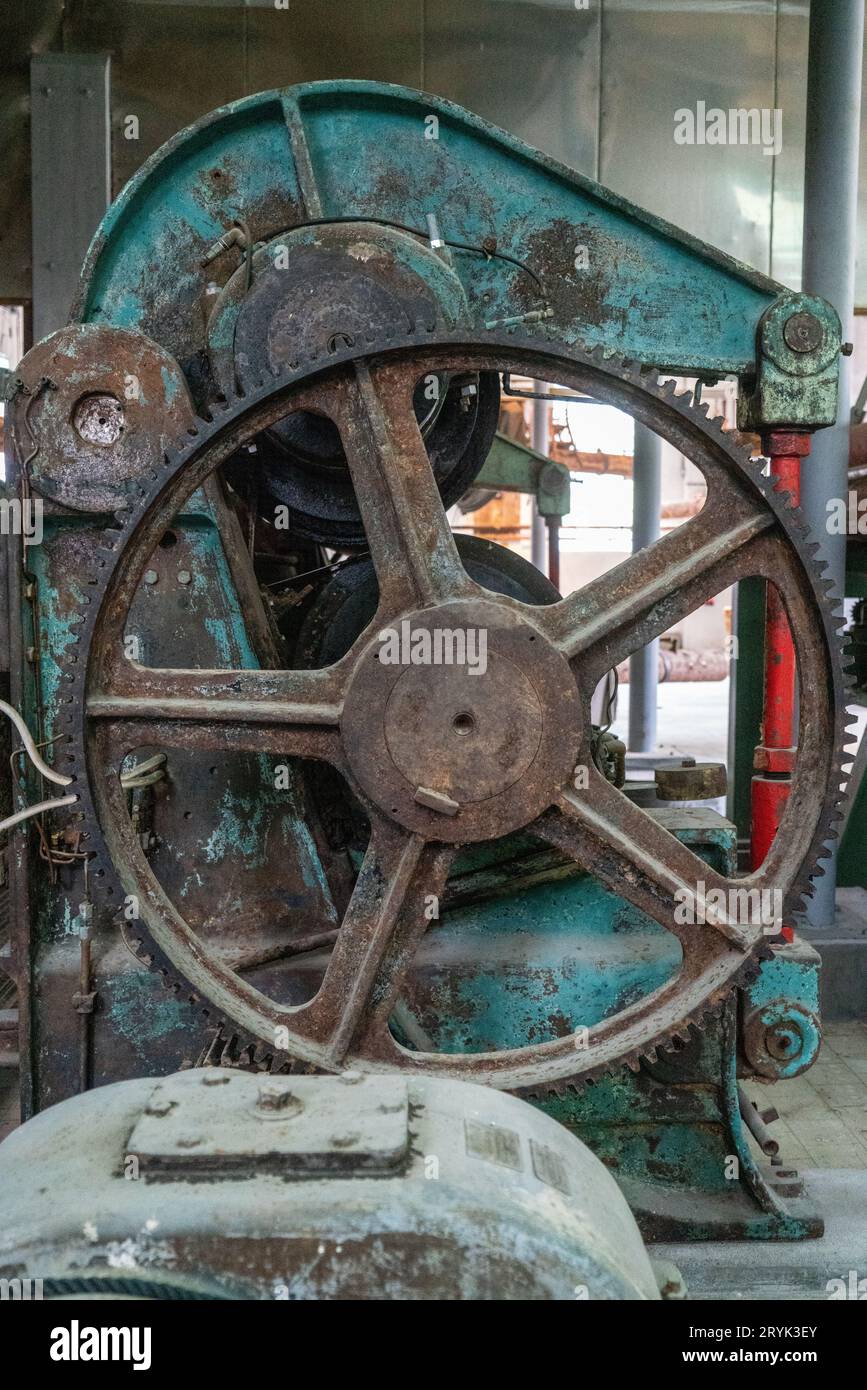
184 576
150 577
273 1097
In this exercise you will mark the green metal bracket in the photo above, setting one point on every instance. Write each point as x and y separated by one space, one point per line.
798 345
856 570
513 467
852 861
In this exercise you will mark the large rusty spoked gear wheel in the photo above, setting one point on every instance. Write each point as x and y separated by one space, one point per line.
440 756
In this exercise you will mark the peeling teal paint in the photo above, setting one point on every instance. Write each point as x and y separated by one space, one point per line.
784 978
563 979
70 921
312 872
242 830
142 1010
171 385
223 640
58 624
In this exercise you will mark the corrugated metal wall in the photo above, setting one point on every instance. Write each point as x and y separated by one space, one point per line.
597 87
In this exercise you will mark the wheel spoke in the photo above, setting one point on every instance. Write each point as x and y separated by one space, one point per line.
312 741
628 606
411 543
637 858
235 697
382 927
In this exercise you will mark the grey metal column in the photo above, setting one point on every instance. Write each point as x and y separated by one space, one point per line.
644 665
830 201
70 147
539 440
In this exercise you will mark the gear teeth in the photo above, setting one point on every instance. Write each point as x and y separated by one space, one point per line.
643 379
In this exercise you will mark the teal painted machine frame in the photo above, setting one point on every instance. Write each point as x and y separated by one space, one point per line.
513 221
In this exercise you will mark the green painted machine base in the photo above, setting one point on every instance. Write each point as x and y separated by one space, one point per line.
672 1136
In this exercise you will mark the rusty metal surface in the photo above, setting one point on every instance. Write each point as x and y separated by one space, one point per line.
691 781
92 409
744 528
368 278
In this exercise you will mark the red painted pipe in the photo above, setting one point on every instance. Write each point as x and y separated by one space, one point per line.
774 758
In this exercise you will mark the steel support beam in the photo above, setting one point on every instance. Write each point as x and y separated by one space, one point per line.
539 440
644 665
830 202
71 175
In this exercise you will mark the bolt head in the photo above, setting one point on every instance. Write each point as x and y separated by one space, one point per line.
803 332
276 1099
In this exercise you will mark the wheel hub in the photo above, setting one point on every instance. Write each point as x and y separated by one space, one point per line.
468 702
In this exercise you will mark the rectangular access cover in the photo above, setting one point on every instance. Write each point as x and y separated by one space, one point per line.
213 1122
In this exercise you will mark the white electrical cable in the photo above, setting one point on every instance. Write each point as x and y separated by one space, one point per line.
31 751
144 774
36 810
47 772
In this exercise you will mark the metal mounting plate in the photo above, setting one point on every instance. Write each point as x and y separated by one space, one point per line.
216 1121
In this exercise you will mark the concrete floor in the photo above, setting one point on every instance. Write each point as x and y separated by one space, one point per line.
740 1270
